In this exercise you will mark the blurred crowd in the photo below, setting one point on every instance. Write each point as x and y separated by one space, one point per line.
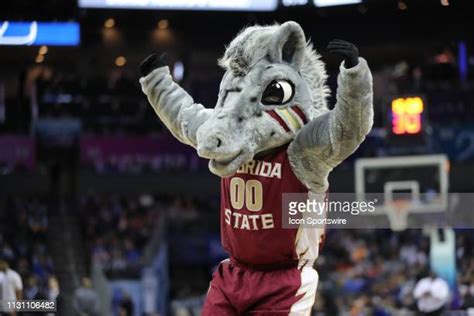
448 95
374 272
116 106
24 245
105 105
118 229
113 104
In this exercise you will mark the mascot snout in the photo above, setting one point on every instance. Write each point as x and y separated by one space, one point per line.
225 148
216 141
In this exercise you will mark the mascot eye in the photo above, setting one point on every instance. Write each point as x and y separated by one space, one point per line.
278 92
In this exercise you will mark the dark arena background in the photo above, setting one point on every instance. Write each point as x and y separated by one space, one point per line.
105 213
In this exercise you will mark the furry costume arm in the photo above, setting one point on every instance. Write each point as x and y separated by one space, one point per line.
174 106
330 138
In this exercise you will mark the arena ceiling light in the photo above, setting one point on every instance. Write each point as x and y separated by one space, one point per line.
330 3
199 5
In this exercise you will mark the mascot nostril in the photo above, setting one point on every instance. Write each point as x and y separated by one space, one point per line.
290 142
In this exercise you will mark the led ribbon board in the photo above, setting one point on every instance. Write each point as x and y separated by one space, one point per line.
39 33
330 3
407 116
209 5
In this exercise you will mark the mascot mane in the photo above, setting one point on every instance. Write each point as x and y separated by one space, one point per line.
251 45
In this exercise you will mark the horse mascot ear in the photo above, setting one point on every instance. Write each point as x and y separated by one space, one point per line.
288 45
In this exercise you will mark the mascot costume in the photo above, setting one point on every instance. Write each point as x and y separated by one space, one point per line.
270 133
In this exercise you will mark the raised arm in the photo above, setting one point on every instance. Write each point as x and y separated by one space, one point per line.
330 138
173 105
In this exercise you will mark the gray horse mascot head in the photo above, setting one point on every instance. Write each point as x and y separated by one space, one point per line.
274 84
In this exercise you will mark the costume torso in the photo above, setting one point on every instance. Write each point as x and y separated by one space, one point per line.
251 214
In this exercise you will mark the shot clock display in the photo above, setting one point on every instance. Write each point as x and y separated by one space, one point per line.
407 119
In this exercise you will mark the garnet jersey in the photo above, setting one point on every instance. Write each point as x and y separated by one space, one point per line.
251 215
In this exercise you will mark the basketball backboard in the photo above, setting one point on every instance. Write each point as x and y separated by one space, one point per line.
405 185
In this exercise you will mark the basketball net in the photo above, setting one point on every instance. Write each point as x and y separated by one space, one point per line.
397 212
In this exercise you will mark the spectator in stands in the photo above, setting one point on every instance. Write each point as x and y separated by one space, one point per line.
466 289
33 290
86 301
431 294
126 305
11 286
53 288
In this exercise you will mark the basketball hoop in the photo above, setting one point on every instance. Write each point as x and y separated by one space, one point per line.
397 212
